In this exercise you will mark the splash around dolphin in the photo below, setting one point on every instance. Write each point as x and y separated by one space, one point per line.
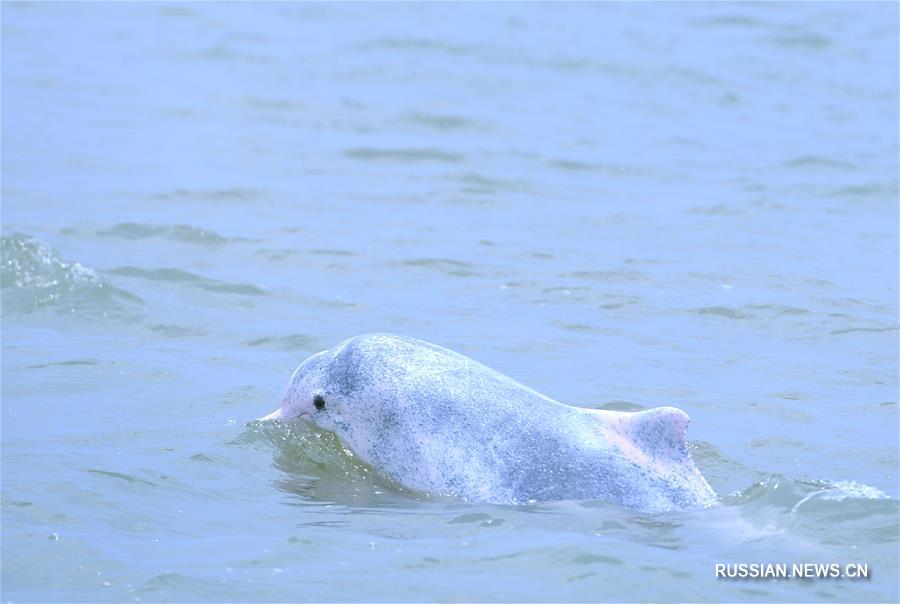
439 422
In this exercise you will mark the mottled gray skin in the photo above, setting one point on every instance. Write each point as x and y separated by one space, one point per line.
439 422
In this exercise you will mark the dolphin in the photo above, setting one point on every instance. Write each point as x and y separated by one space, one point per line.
439 422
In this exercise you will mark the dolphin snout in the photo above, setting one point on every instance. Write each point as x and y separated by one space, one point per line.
280 414
277 414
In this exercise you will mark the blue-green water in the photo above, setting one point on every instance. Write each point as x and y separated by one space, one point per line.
621 205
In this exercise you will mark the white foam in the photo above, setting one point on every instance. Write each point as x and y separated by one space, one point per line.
842 490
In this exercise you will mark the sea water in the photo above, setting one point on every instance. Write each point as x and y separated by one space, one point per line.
620 205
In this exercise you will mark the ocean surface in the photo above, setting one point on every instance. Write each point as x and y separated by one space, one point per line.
620 205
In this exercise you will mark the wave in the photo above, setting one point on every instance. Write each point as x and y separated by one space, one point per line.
35 276
316 467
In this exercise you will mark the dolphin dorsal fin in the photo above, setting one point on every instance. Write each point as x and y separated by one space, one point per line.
656 434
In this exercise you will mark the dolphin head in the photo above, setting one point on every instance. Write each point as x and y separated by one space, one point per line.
305 393
325 390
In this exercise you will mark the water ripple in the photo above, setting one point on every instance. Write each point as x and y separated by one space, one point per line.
175 275
608 276
291 342
442 122
404 155
456 268
179 232
231 194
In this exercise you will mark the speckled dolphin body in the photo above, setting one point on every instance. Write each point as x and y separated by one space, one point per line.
437 421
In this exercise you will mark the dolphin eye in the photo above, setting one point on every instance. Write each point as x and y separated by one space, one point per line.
319 402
